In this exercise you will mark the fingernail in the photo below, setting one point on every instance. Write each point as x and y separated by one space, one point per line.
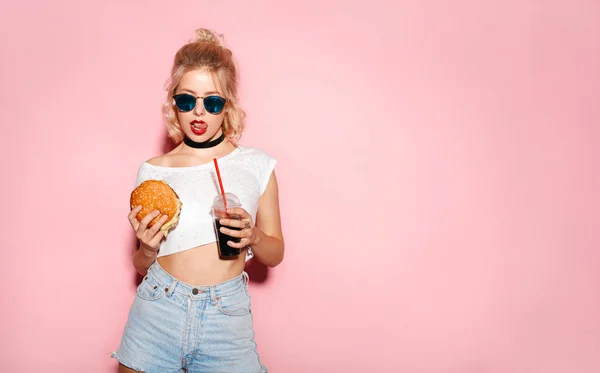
222 230
164 217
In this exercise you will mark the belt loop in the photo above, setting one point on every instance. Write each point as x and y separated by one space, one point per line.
171 288
213 296
245 277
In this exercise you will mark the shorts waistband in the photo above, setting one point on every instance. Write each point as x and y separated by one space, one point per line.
172 285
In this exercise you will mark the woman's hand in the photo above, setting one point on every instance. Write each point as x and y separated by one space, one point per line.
248 233
149 237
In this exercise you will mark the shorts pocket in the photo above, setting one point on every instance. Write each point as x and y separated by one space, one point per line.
149 290
236 304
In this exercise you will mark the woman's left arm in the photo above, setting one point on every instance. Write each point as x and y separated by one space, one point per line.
269 246
264 236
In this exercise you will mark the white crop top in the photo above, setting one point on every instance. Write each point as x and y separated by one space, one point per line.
245 172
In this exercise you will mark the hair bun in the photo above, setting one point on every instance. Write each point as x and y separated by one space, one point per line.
207 36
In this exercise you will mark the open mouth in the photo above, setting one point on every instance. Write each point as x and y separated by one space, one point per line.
198 127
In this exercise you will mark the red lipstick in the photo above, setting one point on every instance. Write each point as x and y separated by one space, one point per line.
198 127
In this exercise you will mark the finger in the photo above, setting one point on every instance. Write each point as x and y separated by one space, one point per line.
243 243
134 211
235 223
233 232
146 220
239 211
132 217
156 227
155 241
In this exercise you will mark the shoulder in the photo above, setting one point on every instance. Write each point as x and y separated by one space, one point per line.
168 159
152 168
161 160
260 162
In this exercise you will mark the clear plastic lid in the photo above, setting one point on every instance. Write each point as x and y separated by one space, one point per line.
232 201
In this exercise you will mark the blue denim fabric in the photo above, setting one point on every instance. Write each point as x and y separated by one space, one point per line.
176 327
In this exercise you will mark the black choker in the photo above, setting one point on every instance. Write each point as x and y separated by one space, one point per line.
206 144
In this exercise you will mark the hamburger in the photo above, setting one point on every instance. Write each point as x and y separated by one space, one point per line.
157 195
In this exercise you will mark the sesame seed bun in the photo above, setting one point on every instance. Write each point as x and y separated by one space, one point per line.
157 195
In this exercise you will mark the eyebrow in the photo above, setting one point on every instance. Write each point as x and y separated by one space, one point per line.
194 93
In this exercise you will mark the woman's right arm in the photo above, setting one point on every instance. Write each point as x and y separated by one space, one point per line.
143 259
149 239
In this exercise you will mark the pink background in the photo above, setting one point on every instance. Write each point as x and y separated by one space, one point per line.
438 166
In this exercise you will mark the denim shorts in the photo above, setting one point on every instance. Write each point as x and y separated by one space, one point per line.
176 327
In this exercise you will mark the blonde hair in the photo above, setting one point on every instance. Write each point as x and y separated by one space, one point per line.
206 52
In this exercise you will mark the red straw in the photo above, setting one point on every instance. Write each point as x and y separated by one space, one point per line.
220 183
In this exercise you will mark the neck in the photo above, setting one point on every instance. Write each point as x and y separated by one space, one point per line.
211 143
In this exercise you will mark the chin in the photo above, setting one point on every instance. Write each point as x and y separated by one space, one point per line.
206 136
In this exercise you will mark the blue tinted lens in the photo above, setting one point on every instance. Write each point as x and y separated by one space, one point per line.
214 104
185 102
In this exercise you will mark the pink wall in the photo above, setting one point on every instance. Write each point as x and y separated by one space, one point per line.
438 171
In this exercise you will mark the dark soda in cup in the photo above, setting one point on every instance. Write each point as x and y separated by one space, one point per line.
219 212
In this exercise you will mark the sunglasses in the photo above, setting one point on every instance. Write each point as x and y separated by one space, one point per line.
186 102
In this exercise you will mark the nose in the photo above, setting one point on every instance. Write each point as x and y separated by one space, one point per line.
199 108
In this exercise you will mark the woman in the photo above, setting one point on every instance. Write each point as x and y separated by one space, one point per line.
192 310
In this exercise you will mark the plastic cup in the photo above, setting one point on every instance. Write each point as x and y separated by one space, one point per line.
220 212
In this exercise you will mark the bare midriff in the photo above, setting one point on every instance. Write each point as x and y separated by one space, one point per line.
202 265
